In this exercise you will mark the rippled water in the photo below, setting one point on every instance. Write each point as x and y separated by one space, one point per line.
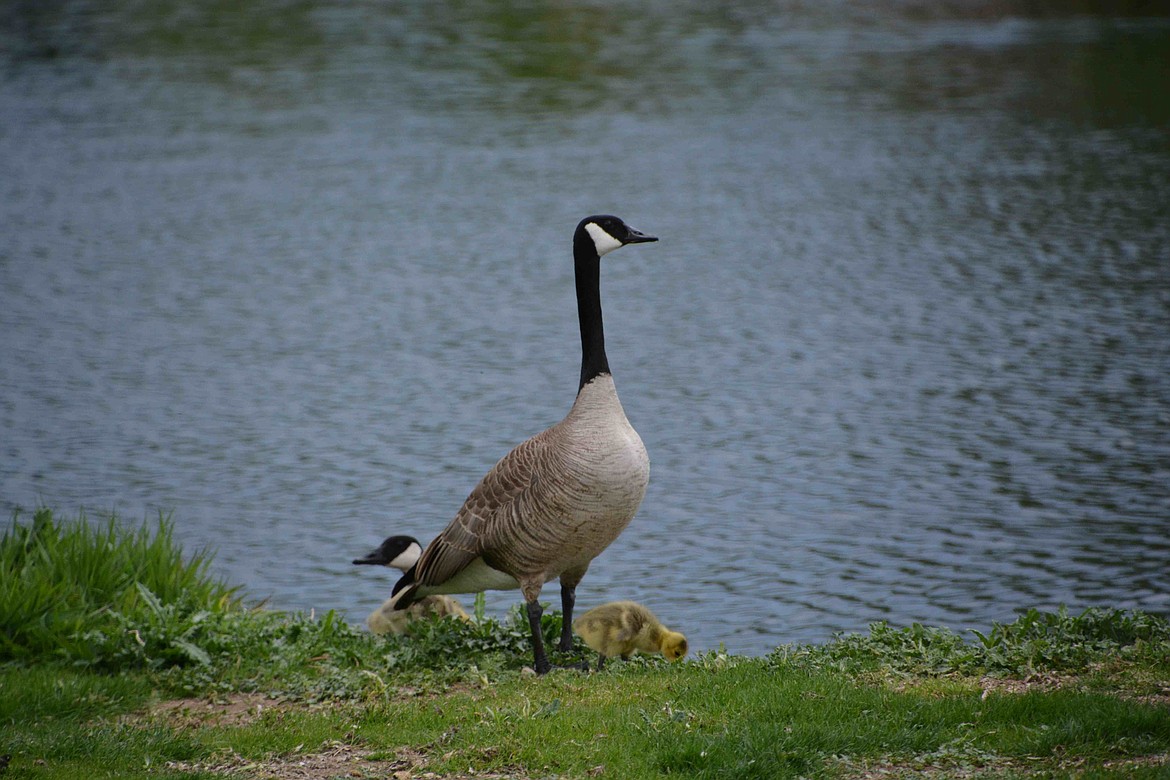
301 275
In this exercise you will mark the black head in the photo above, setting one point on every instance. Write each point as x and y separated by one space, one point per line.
399 552
608 232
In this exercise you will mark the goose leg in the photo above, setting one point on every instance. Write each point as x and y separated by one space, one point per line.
569 581
540 660
568 599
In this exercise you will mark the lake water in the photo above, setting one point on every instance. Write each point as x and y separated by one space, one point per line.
300 274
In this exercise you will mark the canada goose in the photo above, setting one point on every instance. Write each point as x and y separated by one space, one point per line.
401 552
622 627
552 504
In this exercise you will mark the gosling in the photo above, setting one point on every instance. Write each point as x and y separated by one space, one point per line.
402 552
622 627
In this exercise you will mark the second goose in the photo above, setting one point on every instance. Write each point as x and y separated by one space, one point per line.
402 552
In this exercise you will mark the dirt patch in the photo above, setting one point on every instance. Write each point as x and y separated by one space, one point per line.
333 761
862 769
1162 759
1051 682
988 766
237 709
336 761
241 709
1157 699
1033 682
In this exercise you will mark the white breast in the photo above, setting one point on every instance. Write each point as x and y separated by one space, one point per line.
609 461
475 577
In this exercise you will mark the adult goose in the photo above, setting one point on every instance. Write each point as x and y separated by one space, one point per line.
552 504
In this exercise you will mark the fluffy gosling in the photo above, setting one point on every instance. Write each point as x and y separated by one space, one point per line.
623 627
402 552
387 620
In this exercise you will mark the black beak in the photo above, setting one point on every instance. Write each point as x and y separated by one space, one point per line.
373 559
635 237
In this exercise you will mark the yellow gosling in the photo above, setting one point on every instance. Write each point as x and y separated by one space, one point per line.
621 628
387 620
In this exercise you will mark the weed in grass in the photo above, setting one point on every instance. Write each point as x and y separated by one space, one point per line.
323 658
1061 641
1036 641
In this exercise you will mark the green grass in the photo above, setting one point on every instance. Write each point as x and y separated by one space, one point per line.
90 651
752 719
1035 642
92 592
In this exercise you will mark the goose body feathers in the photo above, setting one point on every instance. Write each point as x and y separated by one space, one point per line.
549 506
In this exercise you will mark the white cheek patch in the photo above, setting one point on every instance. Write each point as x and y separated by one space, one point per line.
407 558
603 241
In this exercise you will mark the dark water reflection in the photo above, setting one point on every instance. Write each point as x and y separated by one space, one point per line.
300 273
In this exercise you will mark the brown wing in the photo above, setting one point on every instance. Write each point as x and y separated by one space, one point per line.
477 524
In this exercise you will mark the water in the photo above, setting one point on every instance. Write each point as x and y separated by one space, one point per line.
301 275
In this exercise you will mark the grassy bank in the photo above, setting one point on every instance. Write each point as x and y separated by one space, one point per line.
122 658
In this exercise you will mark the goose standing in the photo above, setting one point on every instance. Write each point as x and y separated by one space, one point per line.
552 504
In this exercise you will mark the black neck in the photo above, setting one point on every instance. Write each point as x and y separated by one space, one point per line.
588 274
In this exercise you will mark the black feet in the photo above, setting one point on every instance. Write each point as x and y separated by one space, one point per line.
540 662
